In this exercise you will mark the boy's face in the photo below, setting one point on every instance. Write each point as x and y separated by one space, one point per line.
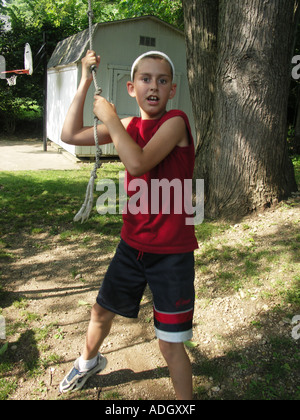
152 87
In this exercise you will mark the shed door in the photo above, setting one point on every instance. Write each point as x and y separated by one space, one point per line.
126 106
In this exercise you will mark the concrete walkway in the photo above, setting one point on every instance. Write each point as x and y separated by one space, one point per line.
29 155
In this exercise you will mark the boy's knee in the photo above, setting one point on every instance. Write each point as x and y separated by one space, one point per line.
170 350
100 314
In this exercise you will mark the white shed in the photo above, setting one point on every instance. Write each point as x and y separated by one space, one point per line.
119 43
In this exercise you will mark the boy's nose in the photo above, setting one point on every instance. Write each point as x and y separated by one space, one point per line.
154 85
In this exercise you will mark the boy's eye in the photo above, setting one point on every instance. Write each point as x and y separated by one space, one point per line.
160 81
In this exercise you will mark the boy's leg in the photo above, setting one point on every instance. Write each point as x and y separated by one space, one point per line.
171 280
91 361
98 330
180 368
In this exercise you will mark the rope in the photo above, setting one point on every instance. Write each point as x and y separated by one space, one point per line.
87 206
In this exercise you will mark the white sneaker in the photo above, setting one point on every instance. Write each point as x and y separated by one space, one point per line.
75 379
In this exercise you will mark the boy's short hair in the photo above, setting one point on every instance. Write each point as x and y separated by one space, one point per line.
155 55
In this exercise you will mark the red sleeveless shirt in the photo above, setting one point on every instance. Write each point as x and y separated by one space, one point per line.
155 215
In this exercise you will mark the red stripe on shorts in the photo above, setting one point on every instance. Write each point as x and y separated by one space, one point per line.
179 318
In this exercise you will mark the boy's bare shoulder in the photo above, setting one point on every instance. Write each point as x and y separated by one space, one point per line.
126 121
176 127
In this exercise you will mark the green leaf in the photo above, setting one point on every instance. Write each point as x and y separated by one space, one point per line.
83 303
3 349
191 344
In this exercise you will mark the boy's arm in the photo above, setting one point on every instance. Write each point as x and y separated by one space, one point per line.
73 131
138 161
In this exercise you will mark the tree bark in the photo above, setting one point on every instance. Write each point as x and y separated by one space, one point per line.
295 145
201 23
239 55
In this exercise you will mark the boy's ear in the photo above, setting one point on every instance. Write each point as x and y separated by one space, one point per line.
130 89
173 91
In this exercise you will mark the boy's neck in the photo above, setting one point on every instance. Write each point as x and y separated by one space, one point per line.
146 116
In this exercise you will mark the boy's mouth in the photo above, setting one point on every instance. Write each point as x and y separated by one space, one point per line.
153 99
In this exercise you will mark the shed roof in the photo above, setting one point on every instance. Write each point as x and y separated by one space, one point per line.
71 50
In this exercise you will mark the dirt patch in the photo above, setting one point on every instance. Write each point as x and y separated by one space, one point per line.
53 290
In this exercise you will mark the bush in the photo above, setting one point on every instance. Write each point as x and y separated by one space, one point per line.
15 111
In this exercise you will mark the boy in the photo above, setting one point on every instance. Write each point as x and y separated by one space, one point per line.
155 249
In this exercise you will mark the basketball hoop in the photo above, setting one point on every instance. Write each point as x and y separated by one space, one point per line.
28 67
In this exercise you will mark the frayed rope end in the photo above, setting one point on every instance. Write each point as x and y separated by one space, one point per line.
84 213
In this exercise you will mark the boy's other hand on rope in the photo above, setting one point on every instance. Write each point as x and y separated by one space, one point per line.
104 110
91 59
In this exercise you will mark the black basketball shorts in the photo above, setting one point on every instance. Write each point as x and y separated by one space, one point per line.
171 280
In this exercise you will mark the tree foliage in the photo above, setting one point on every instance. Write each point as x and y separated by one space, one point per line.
168 10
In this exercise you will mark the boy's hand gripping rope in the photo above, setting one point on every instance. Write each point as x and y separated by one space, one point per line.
87 206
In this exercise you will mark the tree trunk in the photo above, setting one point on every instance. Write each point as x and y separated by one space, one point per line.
201 22
295 144
240 87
